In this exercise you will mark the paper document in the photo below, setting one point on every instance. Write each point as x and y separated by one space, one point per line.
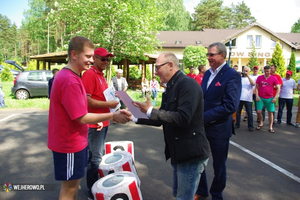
109 94
136 112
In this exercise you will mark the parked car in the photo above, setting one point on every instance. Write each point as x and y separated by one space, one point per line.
15 73
31 84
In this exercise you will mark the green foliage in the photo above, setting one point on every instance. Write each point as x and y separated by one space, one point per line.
253 58
292 65
148 73
126 28
240 16
134 72
8 38
296 27
174 16
194 56
6 75
208 15
211 14
278 60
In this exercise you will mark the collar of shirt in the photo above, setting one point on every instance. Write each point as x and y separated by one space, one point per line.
97 71
214 74
218 69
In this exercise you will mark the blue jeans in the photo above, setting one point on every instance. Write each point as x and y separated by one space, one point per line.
96 151
289 106
248 106
154 92
186 178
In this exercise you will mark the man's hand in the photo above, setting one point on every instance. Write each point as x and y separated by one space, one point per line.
144 106
257 98
99 126
112 103
122 116
274 99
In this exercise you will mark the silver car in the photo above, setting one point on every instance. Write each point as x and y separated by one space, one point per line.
31 84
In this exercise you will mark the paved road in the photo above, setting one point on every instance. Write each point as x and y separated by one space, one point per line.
261 165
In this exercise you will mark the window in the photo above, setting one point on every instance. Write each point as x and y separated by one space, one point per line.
35 76
233 43
48 75
273 44
249 41
258 41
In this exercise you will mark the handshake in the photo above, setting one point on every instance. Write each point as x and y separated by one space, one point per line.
122 116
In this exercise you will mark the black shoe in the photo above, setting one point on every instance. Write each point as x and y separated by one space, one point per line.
278 122
289 123
236 126
251 129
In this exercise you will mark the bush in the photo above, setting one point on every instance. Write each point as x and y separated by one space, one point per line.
134 72
6 75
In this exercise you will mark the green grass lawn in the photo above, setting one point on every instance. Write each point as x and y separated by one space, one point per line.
43 102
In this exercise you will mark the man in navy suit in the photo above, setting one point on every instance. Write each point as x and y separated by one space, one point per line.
221 87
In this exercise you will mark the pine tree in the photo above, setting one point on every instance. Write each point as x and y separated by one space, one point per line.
292 65
278 60
253 58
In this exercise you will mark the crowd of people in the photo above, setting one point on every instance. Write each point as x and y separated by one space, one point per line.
196 115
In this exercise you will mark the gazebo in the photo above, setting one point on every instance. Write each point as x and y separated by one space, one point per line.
61 57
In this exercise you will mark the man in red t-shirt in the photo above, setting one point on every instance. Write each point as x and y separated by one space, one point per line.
278 77
199 77
68 116
95 83
191 74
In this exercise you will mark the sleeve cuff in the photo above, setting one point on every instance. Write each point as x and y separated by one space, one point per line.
149 111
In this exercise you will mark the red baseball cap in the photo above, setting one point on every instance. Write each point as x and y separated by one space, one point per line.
102 52
255 67
289 72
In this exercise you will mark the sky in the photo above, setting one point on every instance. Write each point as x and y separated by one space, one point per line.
278 16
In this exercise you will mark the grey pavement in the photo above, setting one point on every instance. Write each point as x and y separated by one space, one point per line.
261 165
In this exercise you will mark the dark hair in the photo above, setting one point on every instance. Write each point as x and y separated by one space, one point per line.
77 44
200 67
220 46
54 70
267 67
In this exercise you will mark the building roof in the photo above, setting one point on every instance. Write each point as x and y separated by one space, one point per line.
182 39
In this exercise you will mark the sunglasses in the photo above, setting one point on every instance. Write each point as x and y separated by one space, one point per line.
103 59
212 54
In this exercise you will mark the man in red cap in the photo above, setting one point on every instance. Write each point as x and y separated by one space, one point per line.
286 97
95 83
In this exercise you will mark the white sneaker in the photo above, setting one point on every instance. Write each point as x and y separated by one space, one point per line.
297 125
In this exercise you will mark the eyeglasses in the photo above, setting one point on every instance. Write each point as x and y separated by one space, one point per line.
212 54
157 67
255 69
103 59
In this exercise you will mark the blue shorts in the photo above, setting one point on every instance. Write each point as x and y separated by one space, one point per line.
70 166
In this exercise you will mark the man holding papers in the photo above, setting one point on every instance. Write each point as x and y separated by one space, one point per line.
95 83
181 114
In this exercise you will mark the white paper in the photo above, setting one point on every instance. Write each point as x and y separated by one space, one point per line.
109 94
136 112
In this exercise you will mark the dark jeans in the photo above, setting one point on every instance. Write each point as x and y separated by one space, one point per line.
219 150
248 106
96 151
289 106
